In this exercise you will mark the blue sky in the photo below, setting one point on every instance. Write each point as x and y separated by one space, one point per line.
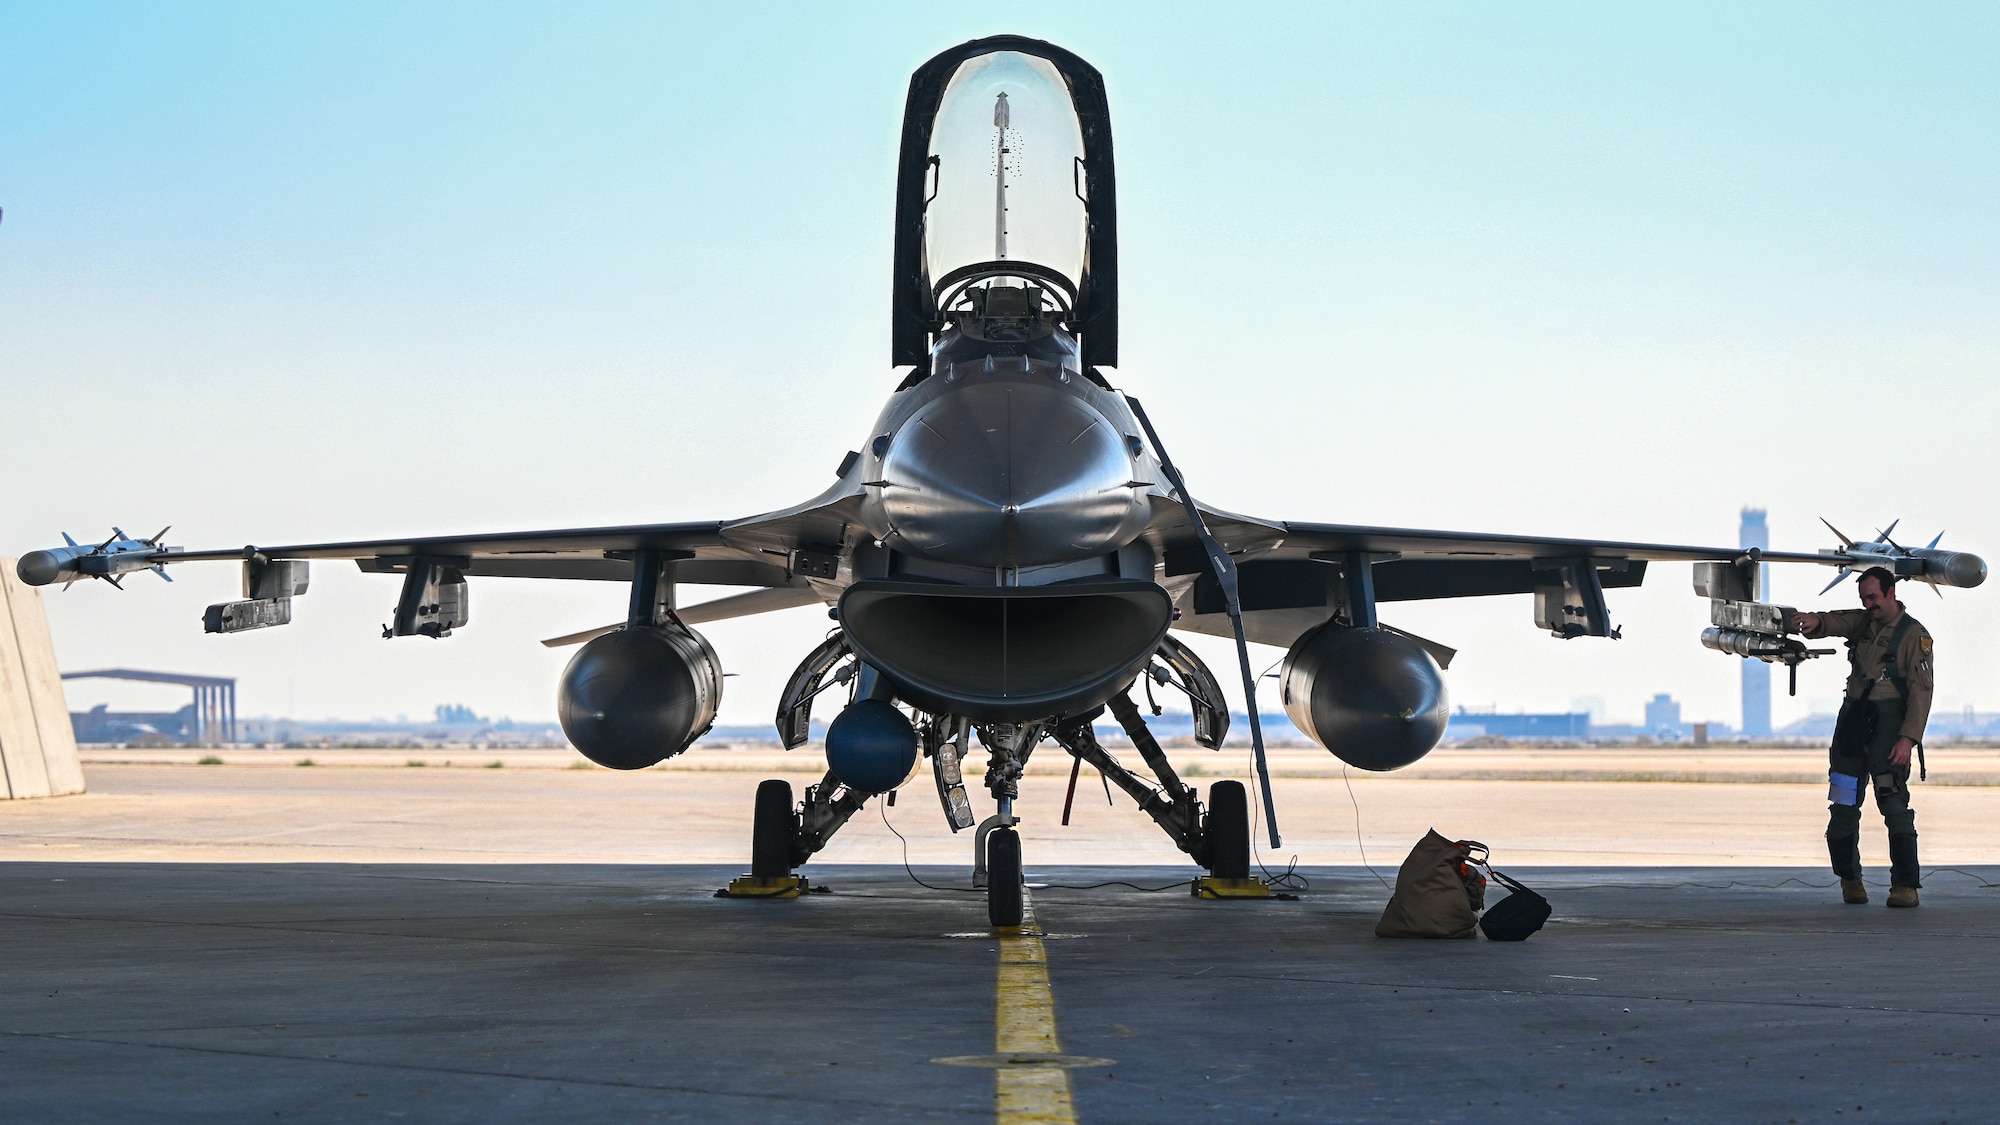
274 273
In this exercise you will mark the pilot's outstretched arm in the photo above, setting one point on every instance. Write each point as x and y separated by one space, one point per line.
1831 623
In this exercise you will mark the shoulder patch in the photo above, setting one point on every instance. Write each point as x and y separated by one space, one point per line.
1925 641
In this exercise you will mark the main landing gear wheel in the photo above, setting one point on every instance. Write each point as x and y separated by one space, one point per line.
1228 831
1004 886
774 832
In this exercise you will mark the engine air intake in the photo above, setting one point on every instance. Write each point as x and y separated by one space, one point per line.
1006 653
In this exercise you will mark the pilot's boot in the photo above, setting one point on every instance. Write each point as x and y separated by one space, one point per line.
1905 875
1847 855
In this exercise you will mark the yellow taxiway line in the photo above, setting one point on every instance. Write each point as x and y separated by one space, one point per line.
1025 1027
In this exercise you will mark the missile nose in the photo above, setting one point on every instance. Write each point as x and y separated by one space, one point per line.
39 568
1967 570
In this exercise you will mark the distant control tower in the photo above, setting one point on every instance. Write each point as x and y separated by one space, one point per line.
1754 532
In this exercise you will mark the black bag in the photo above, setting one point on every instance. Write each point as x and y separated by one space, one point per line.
1515 917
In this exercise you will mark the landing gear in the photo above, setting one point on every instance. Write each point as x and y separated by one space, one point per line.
774 832
784 837
1004 881
1228 830
1226 839
774 842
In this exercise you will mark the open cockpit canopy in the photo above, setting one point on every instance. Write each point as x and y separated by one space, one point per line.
1005 183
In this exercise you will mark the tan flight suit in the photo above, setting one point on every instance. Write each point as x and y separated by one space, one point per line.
1897 715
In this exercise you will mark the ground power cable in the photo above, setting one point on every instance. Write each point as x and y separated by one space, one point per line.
1289 878
1352 800
1732 884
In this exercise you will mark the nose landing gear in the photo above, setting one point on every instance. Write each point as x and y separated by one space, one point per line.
1004 880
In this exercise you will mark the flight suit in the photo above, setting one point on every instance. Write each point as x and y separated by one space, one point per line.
1901 711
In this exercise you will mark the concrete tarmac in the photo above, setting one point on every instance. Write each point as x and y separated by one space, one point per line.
297 978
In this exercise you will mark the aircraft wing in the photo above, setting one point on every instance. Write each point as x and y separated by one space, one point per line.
757 551
1287 587
792 555
591 553
1411 543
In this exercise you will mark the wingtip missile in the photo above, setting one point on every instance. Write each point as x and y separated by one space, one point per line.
120 554
1934 567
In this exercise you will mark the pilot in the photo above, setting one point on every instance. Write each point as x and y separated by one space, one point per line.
1881 721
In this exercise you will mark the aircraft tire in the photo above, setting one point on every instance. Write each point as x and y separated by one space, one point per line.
1228 830
774 831
1004 886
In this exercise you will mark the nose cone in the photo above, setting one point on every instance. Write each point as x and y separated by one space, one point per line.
1009 474
39 568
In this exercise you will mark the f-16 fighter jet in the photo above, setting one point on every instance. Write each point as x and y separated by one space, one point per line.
1010 548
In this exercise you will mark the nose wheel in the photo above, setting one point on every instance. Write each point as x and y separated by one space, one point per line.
1004 882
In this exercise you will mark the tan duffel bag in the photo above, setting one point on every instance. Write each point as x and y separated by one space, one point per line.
1439 891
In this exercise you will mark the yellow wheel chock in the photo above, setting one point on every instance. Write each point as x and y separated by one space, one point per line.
749 886
1208 886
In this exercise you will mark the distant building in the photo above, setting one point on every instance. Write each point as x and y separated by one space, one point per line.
1663 716
1572 725
211 718
1755 532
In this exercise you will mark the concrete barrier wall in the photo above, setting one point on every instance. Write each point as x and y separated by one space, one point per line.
37 745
